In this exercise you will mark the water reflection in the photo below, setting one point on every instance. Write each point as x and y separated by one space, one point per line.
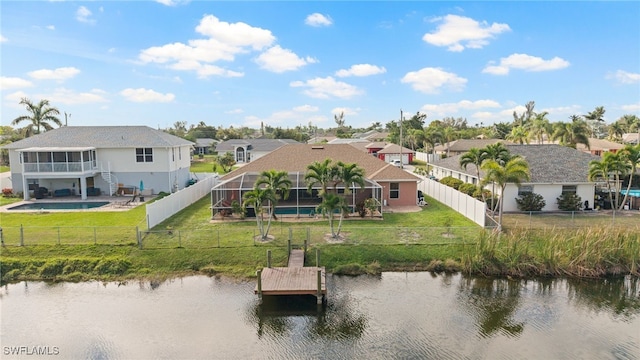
493 303
620 297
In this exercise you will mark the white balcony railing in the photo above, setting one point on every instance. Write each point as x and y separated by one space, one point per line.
60 167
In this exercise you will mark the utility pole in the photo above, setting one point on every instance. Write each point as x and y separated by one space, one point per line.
401 160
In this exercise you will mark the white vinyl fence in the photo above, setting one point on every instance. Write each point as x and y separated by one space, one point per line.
429 158
160 210
466 205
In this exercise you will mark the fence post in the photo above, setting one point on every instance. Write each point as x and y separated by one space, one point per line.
21 235
290 234
319 296
317 257
289 246
138 237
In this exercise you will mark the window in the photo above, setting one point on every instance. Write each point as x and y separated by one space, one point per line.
569 189
525 190
394 190
144 155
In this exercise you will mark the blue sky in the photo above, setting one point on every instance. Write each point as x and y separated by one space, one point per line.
294 63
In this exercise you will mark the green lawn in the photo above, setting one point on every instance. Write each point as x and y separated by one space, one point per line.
4 168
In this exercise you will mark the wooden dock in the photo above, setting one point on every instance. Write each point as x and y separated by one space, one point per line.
295 279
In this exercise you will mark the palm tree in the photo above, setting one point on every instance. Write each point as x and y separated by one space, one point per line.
518 134
448 135
631 154
499 153
279 182
525 117
616 130
612 164
41 114
431 136
540 126
473 157
320 173
595 119
330 203
514 171
256 198
573 133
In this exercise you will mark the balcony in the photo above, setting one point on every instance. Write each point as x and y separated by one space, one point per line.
57 167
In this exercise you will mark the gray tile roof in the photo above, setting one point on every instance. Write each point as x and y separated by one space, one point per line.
548 163
100 137
256 144
205 142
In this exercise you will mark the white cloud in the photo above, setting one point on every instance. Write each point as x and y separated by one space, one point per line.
361 70
14 98
632 108
345 110
624 77
306 108
67 96
13 83
447 109
84 15
234 111
146 95
173 2
325 88
3 39
279 60
431 80
459 32
224 42
525 62
317 20
51 27
59 74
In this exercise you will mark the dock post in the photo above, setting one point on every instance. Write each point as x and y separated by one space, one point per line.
317 257
269 258
319 295
259 273
289 246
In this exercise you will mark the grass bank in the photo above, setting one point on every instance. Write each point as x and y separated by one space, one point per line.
580 252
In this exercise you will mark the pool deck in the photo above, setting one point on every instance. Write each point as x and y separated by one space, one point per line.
116 203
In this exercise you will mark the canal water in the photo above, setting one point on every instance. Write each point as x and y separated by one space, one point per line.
393 316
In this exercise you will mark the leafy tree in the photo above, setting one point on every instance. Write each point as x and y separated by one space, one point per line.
530 202
611 166
519 135
514 171
501 130
40 116
226 161
330 204
569 201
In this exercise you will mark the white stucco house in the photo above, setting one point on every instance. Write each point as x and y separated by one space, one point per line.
247 150
554 169
91 160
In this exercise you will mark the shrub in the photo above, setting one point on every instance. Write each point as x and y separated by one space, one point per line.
569 202
468 189
530 202
451 182
7 192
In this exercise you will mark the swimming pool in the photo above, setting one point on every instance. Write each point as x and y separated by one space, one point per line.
60 205
635 193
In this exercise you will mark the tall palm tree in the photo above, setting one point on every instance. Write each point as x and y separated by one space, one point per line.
320 173
611 165
475 157
596 120
431 136
279 182
540 126
449 134
513 171
616 130
499 153
519 135
40 116
631 154
573 133
525 117
257 198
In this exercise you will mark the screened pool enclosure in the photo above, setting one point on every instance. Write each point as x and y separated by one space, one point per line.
300 203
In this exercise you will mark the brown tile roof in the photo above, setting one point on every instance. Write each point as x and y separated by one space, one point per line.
296 158
600 144
395 149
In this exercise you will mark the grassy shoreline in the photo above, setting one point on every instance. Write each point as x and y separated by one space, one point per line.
595 251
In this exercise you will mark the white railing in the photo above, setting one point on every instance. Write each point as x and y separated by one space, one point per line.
466 205
61 167
160 210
